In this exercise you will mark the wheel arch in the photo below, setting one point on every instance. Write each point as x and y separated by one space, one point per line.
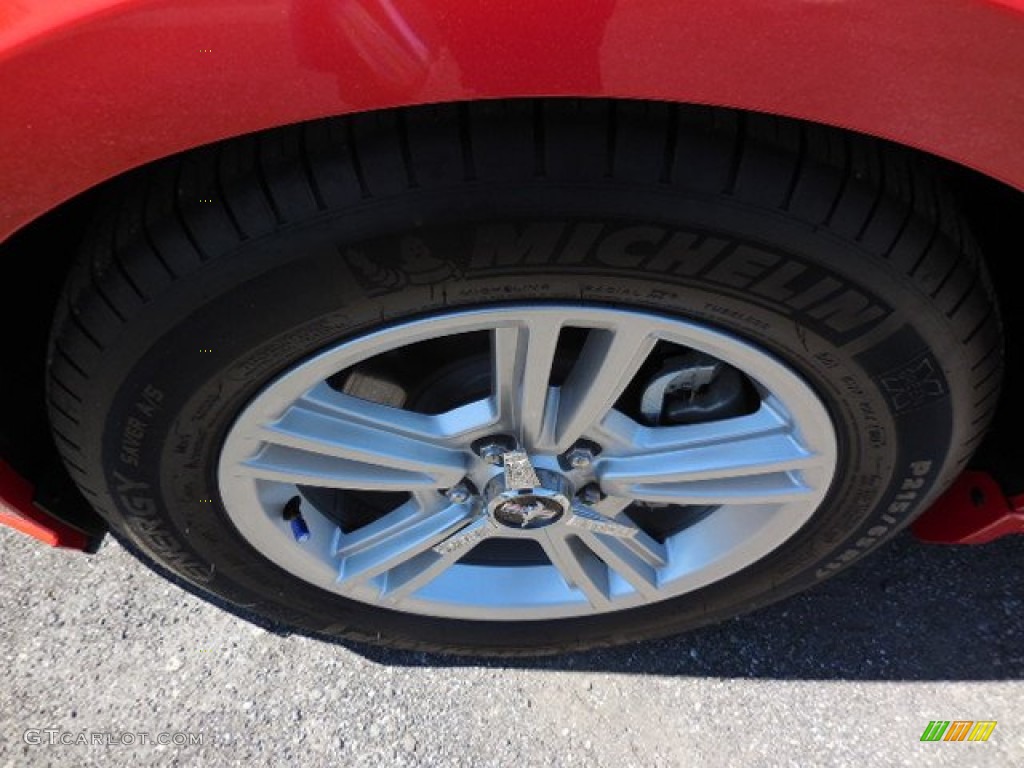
94 88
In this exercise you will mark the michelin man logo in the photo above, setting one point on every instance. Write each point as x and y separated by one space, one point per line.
416 266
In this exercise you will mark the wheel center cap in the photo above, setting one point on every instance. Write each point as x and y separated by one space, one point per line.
524 497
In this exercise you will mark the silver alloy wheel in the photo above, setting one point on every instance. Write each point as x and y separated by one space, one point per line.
764 473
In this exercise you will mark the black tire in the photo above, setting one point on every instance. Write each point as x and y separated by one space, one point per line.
212 272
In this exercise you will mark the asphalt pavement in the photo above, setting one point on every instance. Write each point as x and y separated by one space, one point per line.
103 659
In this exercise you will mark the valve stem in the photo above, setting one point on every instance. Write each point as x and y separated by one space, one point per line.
293 514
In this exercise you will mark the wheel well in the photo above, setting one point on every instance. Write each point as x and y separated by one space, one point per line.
44 251
994 211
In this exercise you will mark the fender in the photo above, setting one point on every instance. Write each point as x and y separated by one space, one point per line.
92 88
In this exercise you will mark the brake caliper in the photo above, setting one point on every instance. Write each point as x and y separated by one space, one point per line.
694 388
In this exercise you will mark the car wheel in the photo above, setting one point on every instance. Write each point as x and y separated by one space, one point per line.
522 377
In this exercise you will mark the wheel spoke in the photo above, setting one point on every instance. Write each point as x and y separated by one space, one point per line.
627 533
523 355
398 539
772 489
746 460
579 566
415 573
621 559
334 440
606 365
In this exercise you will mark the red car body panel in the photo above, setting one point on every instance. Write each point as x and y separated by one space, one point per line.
19 511
92 88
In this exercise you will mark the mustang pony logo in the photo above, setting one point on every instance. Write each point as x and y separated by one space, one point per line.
526 511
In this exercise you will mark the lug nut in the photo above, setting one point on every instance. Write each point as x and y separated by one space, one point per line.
590 494
492 454
458 494
493 449
578 458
